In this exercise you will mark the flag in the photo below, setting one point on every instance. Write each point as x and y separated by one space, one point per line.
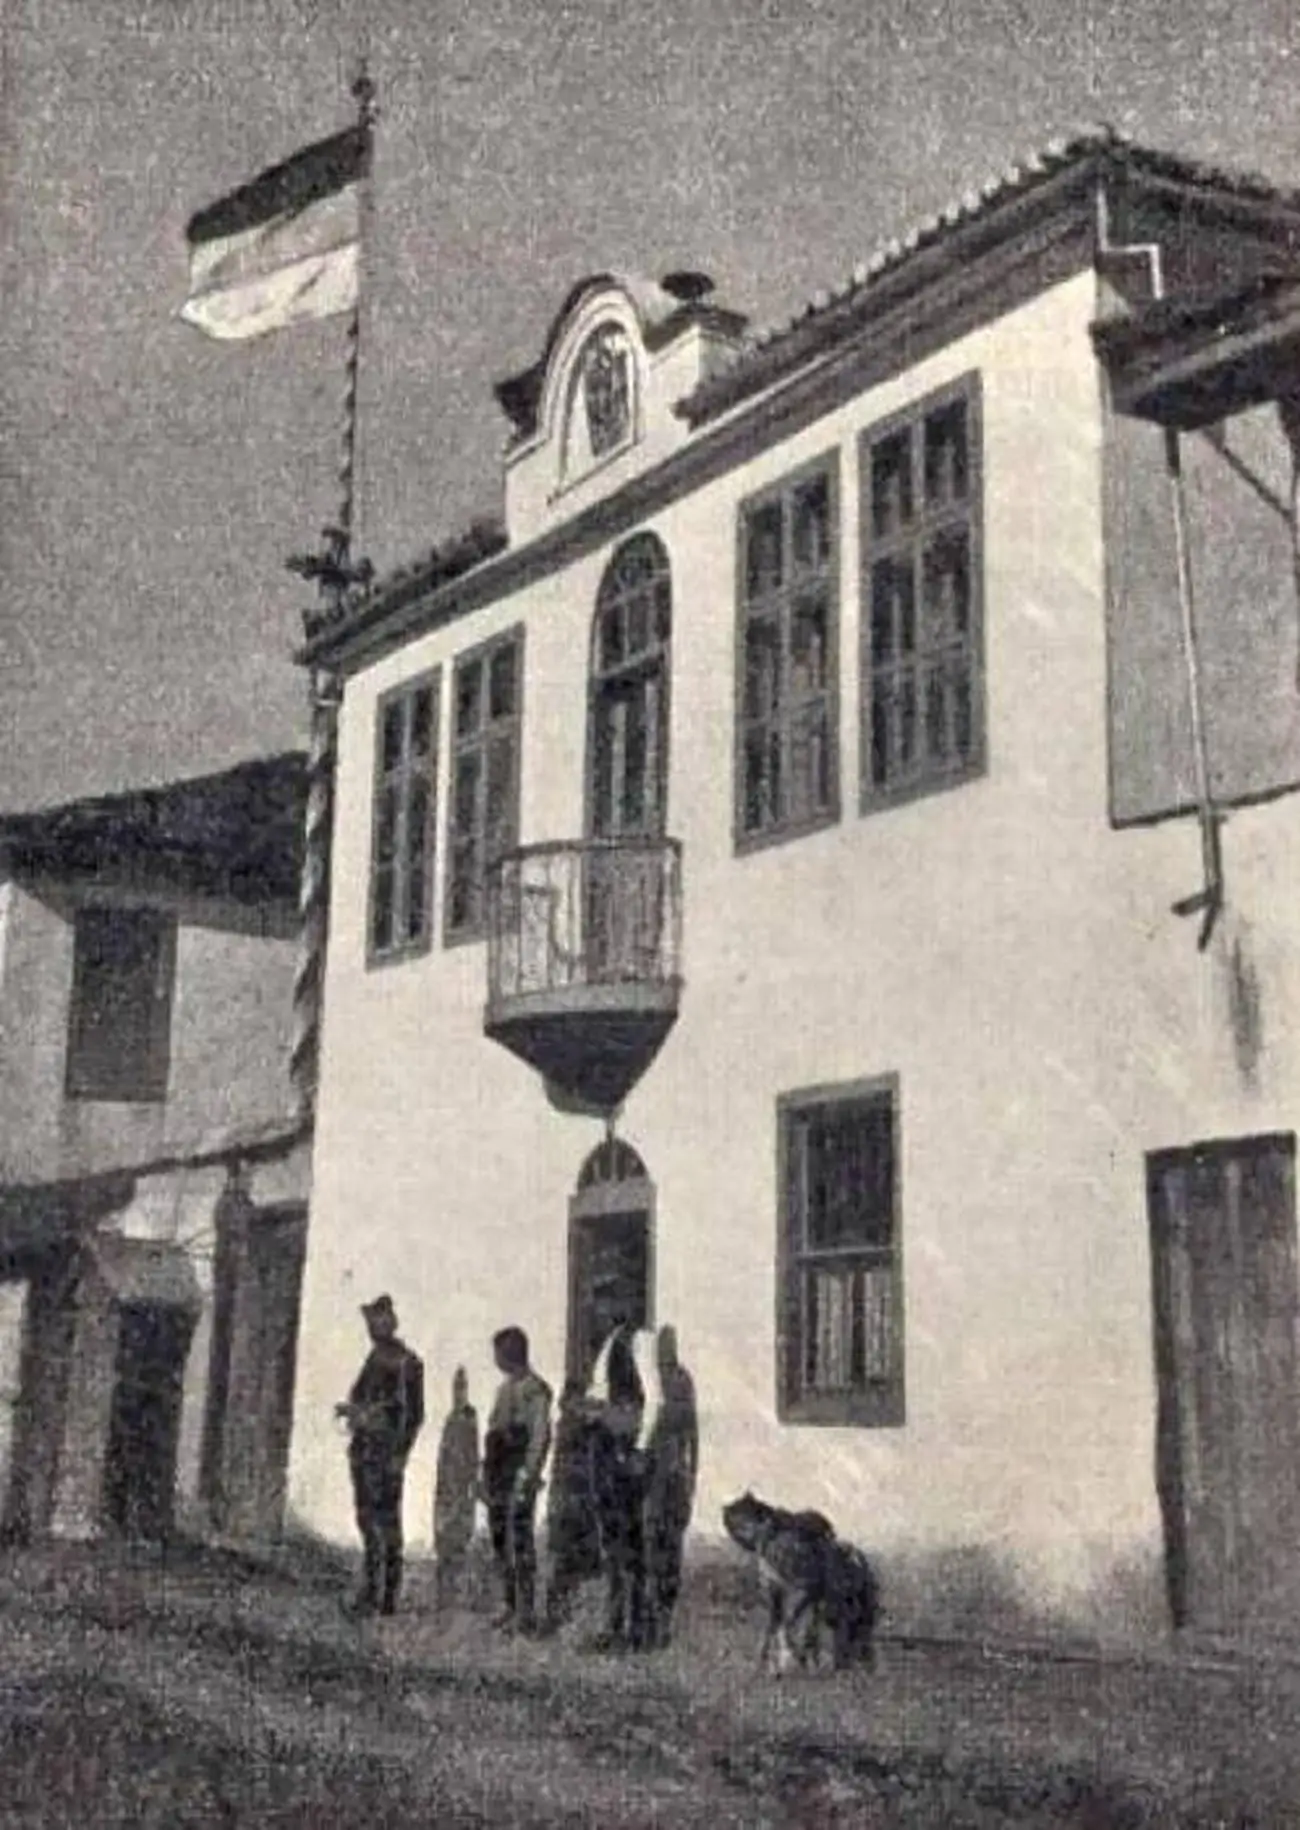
282 248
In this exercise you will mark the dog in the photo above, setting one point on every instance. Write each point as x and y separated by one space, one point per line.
811 1581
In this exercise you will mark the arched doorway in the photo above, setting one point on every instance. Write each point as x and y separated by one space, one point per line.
611 1252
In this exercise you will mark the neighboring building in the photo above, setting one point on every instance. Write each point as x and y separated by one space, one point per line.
153 1177
797 785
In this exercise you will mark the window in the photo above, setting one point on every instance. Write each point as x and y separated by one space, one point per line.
922 663
840 1331
483 814
119 1023
787 764
607 390
406 773
627 698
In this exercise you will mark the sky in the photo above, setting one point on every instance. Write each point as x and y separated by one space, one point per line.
152 482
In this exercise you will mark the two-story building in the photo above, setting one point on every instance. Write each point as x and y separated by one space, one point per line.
826 880
153 1170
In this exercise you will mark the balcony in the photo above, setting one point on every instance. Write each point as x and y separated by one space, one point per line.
584 962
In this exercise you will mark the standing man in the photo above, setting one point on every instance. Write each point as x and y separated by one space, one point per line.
514 1454
384 1412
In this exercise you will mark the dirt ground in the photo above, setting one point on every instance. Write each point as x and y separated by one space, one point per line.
205 1690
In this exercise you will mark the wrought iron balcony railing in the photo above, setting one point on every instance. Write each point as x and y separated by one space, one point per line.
584 961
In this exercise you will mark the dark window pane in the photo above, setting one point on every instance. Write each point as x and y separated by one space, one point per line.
850 1176
809 645
469 698
417 822
963 722
905 701
638 624
422 722
394 720
386 825
947 587
761 797
762 668
893 611
464 812
947 458
763 564
502 684
936 716
891 485
499 818
809 763
881 750
811 531
464 890
663 610
611 636
381 933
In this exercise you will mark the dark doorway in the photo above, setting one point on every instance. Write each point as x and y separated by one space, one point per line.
144 1424
1223 1223
257 1293
610 1257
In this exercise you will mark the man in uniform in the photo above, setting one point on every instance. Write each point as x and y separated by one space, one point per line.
384 1412
514 1454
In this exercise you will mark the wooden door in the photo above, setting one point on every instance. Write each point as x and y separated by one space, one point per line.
1222 1220
144 1425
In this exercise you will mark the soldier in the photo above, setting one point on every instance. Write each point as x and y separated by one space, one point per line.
384 1412
514 1454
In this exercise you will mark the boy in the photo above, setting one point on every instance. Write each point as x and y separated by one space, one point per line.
514 1454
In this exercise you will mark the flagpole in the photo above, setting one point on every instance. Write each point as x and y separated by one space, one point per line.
336 573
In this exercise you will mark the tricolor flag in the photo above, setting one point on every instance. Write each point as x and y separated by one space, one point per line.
284 247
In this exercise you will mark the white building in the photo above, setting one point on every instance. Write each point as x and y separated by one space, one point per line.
804 786
153 1172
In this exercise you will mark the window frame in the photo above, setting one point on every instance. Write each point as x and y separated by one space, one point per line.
410 947
828 464
968 390
878 1405
466 934
85 1083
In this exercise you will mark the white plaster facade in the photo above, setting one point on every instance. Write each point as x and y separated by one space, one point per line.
999 946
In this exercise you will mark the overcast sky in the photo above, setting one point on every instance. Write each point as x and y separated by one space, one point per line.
153 482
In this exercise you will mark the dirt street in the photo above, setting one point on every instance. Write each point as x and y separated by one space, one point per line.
204 1692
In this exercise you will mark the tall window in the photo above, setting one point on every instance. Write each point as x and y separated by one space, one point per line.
119 1023
627 728
922 640
787 764
840 1352
406 773
607 390
483 815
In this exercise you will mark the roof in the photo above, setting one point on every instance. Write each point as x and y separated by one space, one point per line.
770 354
1190 363
889 276
237 834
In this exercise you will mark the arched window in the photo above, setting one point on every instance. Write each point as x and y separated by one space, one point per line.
627 727
600 416
611 1235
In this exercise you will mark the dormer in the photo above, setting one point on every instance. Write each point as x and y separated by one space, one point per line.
597 408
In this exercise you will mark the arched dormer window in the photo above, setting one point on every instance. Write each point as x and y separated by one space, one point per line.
602 400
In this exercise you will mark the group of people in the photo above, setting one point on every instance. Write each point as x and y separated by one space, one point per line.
621 1450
